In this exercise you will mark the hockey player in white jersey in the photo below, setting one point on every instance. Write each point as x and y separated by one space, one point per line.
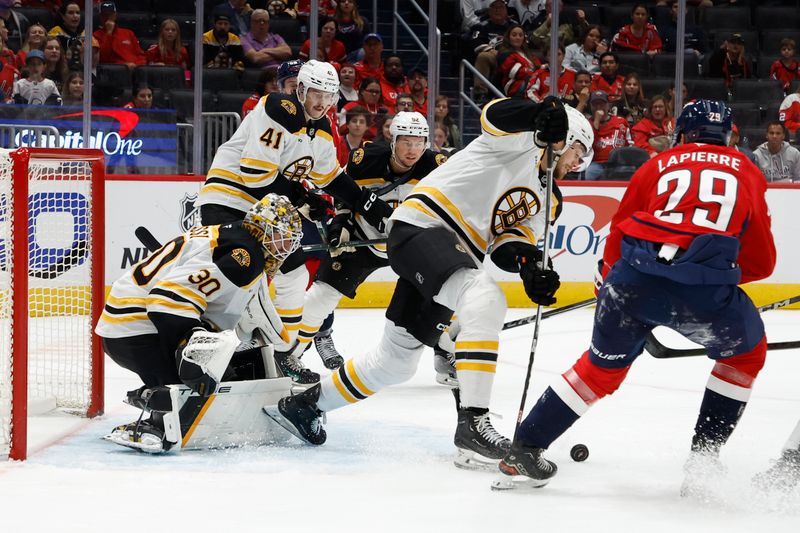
284 141
170 318
488 197
391 172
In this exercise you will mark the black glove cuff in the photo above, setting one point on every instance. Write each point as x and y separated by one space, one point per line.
509 256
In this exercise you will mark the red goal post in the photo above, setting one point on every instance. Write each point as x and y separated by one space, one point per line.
51 286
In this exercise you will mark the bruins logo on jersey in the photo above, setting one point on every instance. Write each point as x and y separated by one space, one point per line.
440 159
358 156
241 256
289 106
297 170
514 207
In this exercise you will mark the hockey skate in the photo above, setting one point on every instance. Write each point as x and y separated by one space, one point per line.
444 363
290 366
142 435
524 468
784 475
331 358
704 474
299 416
479 445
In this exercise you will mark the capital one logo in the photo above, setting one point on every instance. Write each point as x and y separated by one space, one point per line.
586 236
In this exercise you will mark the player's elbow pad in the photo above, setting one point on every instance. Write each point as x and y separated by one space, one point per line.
507 255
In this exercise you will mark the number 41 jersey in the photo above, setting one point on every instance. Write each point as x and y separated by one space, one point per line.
695 189
209 272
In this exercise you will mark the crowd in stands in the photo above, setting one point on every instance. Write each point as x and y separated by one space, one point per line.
616 62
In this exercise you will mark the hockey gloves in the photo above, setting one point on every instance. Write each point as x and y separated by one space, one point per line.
340 231
310 203
551 122
374 210
541 282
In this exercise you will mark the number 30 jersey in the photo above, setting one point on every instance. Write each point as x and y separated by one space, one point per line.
692 190
273 140
210 272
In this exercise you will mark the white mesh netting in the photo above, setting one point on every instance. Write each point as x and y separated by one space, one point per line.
59 291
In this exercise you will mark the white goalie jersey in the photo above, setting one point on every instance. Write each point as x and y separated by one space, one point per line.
489 193
273 139
208 273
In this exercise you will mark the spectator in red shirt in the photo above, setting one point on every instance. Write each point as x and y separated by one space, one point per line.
169 50
267 83
418 83
639 36
516 63
329 49
372 64
609 80
117 45
7 55
142 98
787 68
8 76
654 132
581 90
393 81
404 103
610 132
789 112
369 97
358 119
35 39
541 83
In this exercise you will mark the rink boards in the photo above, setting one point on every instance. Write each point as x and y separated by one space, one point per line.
166 206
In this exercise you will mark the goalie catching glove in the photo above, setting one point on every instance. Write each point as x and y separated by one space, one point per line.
340 231
203 357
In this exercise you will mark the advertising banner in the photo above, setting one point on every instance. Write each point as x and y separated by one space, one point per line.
135 141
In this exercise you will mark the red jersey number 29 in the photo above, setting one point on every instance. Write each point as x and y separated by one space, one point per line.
717 190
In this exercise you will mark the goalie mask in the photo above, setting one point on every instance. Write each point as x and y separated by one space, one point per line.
321 77
275 222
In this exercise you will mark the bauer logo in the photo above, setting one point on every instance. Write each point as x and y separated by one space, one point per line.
583 227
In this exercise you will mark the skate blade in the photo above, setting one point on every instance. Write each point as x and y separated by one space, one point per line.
447 380
469 460
150 446
273 412
518 483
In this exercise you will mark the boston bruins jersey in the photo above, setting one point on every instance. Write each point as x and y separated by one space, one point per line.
369 167
274 139
210 272
491 192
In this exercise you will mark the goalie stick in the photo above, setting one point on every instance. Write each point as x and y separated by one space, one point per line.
152 244
659 351
548 314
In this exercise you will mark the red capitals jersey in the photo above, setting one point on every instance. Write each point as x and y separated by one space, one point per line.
615 133
613 88
695 189
541 85
626 41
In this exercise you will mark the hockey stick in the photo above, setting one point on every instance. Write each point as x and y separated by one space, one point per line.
147 239
548 314
659 351
538 316
152 244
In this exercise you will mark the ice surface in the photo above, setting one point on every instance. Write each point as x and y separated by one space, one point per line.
387 464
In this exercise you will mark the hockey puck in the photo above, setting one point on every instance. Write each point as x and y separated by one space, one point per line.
579 453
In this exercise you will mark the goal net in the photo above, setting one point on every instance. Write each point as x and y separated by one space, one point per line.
51 287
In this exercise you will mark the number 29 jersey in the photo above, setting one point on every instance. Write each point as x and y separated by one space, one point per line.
695 189
210 272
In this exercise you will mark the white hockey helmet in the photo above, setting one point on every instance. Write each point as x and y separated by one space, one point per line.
275 222
321 76
580 131
409 123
